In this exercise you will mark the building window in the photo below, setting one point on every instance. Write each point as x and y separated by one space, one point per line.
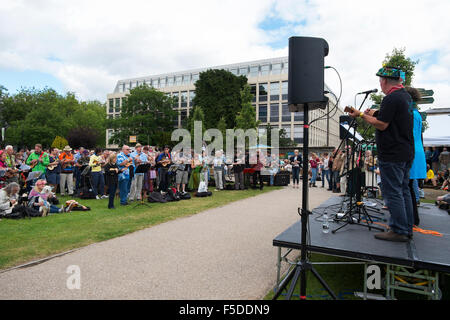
234 71
191 98
175 119
287 130
262 114
274 112
276 68
265 70
298 116
186 79
194 78
111 105
253 92
155 83
178 80
120 87
254 70
274 91
183 118
285 68
243 71
298 134
285 113
162 82
176 98
262 130
170 81
284 90
184 99
117 105
262 92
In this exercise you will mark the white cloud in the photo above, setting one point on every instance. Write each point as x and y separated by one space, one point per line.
89 45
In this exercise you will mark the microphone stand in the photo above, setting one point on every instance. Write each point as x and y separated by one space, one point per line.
358 205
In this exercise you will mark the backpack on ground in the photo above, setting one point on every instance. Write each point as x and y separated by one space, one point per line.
172 195
203 194
184 196
86 193
155 197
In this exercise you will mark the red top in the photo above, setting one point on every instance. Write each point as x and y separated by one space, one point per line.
313 163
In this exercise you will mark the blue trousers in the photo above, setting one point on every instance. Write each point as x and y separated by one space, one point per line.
295 175
313 175
326 173
123 190
395 188
112 193
98 183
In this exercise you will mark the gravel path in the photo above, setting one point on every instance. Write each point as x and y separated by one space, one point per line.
221 253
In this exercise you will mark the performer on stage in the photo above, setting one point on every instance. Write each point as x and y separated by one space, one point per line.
395 143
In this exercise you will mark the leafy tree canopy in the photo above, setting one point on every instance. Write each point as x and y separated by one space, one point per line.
146 113
37 116
218 92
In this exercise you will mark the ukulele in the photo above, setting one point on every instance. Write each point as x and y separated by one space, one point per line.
52 167
350 109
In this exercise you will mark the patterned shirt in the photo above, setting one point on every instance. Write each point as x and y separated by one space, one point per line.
125 175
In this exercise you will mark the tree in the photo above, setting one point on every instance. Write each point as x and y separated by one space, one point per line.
146 113
59 143
196 115
83 137
246 118
398 60
38 116
218 92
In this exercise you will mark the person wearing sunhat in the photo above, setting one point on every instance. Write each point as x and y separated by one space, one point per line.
395 143
66 177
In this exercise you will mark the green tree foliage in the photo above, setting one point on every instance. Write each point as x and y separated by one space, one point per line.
398 59
196 115
218 92
246 118
59 143
146 113
38 116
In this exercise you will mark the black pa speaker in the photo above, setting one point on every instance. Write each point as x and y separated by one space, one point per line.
306 73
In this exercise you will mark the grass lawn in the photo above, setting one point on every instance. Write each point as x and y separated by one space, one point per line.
28 239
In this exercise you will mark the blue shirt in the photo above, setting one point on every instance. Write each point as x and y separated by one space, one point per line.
121 157
142 156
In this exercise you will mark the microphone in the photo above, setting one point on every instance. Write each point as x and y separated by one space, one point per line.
368 91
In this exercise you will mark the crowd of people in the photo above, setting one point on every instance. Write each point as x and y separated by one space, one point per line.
132 174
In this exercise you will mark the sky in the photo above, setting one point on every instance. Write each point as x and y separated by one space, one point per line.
86 46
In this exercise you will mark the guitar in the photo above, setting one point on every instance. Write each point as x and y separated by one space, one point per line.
372 112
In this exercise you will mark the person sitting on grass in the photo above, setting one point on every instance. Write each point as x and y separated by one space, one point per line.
430 176
38 199
9 203
446 182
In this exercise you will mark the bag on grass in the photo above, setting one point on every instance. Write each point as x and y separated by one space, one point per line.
86 193
172 195
155 197
184 196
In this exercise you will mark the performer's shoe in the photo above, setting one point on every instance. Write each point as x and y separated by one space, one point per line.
391 236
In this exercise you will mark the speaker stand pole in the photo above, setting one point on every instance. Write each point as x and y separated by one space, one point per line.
299 272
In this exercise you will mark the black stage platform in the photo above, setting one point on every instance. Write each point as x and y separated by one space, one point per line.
425 251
